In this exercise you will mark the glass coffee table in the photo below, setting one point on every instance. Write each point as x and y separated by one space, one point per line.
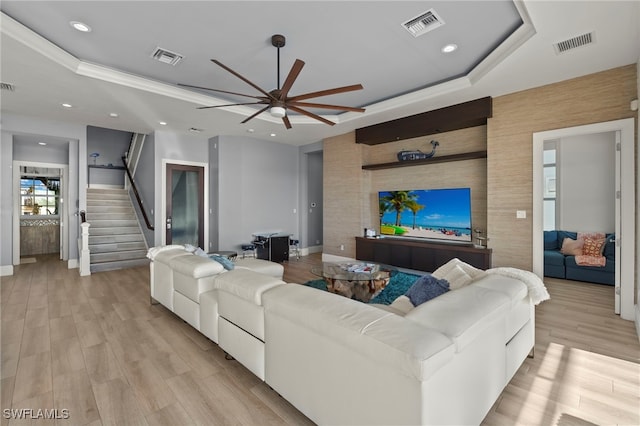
356 280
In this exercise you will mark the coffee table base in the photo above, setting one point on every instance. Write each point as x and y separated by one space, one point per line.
362 291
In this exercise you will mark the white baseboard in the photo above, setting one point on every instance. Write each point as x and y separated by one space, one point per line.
6 270
72 264
313 249
333 258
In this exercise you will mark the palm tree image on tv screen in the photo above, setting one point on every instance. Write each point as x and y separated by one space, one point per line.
440 214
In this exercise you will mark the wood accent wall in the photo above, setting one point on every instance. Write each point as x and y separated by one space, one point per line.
344 180
350 202
595 98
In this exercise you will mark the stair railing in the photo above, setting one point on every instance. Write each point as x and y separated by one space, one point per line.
135 192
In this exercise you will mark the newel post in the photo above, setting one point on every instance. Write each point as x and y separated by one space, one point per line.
85 261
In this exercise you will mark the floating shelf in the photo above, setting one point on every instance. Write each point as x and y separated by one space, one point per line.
105 166
432 160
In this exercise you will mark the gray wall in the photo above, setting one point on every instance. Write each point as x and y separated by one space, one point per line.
314 194
214 195
58 154
6 203
111 145
258 189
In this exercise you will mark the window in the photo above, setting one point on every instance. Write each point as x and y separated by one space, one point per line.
39 195
549 186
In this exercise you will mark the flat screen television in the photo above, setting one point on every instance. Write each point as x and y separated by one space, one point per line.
437 214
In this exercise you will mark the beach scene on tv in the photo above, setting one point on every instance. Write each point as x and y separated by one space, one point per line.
440 214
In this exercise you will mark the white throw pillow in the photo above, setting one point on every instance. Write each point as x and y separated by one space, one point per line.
457 278
402 304
450 268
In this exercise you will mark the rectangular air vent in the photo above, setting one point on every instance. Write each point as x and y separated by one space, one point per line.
7 86
423 23
574 43
166 56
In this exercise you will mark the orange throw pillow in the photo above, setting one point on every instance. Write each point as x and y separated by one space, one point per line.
593 247
571 247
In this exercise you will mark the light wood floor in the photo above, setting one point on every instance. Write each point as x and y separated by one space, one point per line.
94 346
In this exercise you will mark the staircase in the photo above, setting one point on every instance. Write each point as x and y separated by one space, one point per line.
115 238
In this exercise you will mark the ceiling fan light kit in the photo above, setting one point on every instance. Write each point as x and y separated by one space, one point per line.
277 101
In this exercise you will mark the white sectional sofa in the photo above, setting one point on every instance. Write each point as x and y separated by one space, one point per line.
340 361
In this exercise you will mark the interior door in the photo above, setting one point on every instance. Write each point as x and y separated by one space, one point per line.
618 198
185 205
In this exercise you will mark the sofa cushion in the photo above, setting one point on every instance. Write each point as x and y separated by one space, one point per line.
462 315
514 289
246 284
263 266
553 257
610 247
195 266
396 343
551 240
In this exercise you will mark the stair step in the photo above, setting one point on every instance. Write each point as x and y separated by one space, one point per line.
115 239
117 256
110 208
99 203
94 217
116 247
112 266
114 231
112 196
108 223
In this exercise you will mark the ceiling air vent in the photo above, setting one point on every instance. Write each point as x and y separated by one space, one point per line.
166 56
574 43
7 86
423 23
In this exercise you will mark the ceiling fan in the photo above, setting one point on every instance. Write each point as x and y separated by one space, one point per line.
278 101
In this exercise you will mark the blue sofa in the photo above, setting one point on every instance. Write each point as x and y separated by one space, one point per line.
558 265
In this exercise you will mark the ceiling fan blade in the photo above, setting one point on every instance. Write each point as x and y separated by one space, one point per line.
286 122
221 91
291 78
228 105
310 114
326 106
255 86
326 92
256 114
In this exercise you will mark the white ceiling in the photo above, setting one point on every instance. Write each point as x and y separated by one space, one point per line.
503 47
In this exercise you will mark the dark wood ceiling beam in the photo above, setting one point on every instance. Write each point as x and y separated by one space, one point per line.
460 116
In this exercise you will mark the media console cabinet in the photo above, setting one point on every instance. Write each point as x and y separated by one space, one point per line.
419 255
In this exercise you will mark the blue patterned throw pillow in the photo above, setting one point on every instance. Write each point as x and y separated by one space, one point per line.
226 263
426 288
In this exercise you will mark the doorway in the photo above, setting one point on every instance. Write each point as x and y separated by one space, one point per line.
40 211
185 204
625 203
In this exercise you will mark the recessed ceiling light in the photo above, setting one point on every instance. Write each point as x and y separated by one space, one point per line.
162 123
449 48
250 130
42 143
113 114
67 105
273 135
80 26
